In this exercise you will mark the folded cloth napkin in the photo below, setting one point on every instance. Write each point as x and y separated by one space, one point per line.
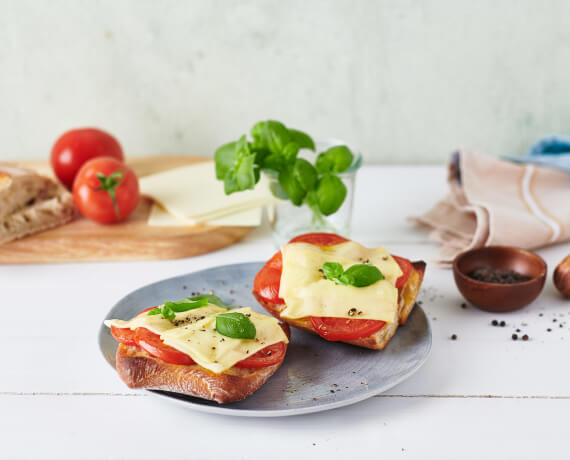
552 151
495 202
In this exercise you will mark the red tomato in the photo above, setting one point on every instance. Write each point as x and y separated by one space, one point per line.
123 335
153 345
335 329
106 190
406 267
76 147
267 357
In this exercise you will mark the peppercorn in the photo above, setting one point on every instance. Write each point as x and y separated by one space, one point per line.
454 337
463 305
515 337
518 330
549 330
502 324
495 322
525 337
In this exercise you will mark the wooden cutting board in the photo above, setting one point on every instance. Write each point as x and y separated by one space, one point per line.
85 241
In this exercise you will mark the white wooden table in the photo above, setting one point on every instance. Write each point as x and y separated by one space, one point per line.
481 396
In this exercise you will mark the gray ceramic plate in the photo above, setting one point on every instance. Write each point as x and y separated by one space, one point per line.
315 376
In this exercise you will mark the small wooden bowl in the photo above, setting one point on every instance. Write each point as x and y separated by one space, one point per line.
500 297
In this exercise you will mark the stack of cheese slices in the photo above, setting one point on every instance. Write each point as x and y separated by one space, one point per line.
191 195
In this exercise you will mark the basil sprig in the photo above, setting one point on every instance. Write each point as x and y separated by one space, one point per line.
169 309
359 275
274 147
235 325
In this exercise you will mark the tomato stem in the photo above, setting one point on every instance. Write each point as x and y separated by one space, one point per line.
109 184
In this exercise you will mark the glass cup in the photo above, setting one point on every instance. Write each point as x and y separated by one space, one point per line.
287 220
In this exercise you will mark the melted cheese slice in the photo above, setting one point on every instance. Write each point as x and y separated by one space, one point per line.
306 293
158 324
216 352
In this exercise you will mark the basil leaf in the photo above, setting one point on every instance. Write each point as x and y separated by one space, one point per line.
270 134
168 313
303 140
154 311
362 275
235 325
185 304
333 271
210 298
335 160
224 158
359 275
241 176
305 174
290 152
330 194
291 187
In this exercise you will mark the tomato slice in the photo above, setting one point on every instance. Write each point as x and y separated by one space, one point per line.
267 357
406 267
341 329
153 345
123 335
319 239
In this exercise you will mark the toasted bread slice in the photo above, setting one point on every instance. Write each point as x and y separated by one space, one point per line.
30 203
138 369
377 341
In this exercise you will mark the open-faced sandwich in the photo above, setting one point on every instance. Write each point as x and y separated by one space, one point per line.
339 289
196 346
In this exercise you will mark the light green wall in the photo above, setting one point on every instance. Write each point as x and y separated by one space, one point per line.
405 80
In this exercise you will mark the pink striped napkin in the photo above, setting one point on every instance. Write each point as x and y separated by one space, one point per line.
495 202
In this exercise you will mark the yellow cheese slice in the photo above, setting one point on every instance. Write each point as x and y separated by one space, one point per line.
193 193
306 293
216 352
159 217
158 324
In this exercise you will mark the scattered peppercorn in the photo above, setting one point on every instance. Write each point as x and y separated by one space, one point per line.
560 325
502 324
540 314
518 330
463 305
549 330
454 337
525 337
515 337
495 322
554 320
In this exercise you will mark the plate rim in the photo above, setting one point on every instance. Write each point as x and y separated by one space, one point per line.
269 413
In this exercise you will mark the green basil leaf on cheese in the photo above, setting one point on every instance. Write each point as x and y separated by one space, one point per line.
362 275
210 298
235 325
168 313
154 311
359 275
186 304
333 271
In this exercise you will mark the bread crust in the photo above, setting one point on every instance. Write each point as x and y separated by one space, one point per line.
377 341
30 203
138 369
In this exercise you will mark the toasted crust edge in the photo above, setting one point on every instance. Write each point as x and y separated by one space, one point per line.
138 369
378 340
